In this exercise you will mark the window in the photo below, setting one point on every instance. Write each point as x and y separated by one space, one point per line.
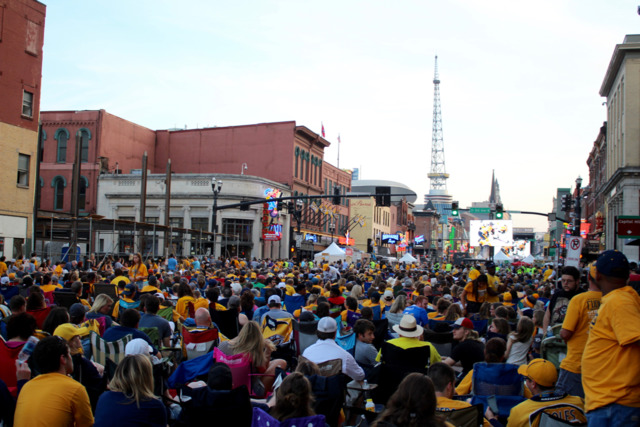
85 137
62 136
82 192
58 184
200 224
27 104
176 222
237 229
23 170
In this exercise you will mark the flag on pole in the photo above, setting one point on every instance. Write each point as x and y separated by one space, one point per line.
338 138
322 129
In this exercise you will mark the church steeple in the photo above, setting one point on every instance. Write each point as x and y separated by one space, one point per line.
494 195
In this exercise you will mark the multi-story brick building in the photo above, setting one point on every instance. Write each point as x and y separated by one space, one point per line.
282 152
21 40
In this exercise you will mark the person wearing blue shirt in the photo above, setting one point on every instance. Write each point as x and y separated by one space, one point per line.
172 263
128 326
418 310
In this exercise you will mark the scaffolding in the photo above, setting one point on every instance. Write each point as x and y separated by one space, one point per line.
119 237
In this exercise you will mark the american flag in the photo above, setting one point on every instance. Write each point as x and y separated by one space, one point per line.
322 129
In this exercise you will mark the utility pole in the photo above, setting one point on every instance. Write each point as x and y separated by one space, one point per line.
75 186
167 208
143 200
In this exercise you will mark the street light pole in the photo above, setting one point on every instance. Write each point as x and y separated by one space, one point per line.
332 228
216 186
578 208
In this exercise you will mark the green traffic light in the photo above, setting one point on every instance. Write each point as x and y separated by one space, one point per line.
498 215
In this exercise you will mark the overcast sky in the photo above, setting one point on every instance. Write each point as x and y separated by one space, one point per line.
519 80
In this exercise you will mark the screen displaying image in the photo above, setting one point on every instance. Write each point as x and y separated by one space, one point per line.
520 249
490 232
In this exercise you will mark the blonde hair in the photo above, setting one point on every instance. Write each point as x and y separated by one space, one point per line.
250 341
399 304
134 378
100 302
356 292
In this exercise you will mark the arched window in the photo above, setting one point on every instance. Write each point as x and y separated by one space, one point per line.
85 135
82 192
62 136
58 183
44 138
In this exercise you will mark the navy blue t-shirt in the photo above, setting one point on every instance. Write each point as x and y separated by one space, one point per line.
115 409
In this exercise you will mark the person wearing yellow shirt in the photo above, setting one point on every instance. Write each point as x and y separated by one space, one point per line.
474 294
409 337
540 378
444 379
185 297
120 276
58 270
581 311
493 291
3 266
138 272
610 368
53 397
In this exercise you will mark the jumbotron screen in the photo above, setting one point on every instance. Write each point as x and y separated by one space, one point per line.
490 232
520 249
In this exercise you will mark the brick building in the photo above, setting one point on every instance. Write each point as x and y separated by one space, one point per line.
21 39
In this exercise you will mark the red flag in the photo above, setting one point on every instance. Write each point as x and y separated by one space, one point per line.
322 130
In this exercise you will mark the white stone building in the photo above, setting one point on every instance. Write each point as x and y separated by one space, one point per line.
240 232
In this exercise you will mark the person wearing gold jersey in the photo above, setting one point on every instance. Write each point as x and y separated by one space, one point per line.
581 311
540 378
475 293
610 368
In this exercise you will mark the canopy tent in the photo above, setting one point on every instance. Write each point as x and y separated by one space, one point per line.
407 258
528 259
330 254
501 257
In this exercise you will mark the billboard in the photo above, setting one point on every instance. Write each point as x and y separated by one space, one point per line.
520 249
491 233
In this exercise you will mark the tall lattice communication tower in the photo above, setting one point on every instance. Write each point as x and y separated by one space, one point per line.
437 174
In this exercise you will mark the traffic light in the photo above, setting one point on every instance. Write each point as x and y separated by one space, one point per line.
454 209
566 202
499 211
336 196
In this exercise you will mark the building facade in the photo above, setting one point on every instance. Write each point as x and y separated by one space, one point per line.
109 144
621 87
240 232
21 40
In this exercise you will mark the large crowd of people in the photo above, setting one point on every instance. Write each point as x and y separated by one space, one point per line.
407 344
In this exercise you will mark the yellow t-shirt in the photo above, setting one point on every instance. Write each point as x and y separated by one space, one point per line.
494 282
117 280
181 306
527 413
482 292
53 399
405 343
581 311
138 273
3 268
610 368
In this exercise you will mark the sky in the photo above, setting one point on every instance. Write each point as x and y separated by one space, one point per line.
519 80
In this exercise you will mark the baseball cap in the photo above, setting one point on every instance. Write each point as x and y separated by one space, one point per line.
463 322
541 371
388 295
507 296
490 264
4 280
613 264
68 330
327 324
274 299
129 289
77 310
529 301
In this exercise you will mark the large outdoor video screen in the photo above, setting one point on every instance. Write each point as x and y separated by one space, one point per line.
490 232
520 249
